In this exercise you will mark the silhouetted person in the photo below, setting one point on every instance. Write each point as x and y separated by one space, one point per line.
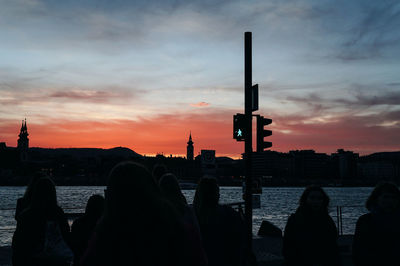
83 227
377 236
33 223
171 190
24 201
158 171
139 227
221 228
310 236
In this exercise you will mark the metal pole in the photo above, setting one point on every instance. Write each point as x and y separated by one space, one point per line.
341 221
338 219
248 138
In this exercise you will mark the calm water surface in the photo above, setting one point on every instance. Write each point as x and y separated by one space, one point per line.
276 204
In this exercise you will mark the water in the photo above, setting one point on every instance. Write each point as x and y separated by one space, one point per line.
276 204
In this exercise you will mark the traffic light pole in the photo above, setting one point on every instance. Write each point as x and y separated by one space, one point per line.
248 138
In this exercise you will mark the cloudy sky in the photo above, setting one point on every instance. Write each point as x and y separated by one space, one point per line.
143 74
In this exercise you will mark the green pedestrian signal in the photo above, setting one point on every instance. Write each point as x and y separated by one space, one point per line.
239 127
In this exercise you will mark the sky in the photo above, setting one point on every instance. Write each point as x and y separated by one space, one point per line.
144 74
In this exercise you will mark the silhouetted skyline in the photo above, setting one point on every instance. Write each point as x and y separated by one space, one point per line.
142 74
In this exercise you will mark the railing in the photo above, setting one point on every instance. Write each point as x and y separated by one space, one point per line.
340 218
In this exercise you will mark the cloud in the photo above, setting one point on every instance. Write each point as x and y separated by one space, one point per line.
199 104
393 84
375 35
355 99
92 96
388 98
108 94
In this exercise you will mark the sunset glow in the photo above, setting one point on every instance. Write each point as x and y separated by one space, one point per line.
144 74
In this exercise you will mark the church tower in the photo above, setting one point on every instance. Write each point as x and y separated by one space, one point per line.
190 148
23 141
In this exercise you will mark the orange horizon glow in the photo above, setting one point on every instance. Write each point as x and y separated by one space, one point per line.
168 135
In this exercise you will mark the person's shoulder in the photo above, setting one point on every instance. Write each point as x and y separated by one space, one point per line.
330 220
227 210
365 218
20 201
59 211
228 213
27 214
293 217
298 214
55 213
78 222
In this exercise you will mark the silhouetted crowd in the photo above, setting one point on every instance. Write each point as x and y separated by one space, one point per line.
145 220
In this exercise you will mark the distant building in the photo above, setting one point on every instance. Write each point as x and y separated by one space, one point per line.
345 163
3 146
189 148
23 142
382 166
307 164
272 164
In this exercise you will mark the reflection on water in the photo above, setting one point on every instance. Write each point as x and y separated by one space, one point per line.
276 204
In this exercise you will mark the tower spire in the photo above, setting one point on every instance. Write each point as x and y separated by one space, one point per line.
23 141
190 148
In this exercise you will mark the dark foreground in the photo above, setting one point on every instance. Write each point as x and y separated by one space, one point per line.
267 250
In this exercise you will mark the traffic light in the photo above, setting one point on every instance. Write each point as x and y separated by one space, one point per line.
261 133
239 127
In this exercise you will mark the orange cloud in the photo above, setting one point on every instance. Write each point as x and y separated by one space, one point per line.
199 104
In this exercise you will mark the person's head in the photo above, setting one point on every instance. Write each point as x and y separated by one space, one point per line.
44 194
315 199
95 206
171 190
29 189
135 214
207 192
158 171
385 196
131 188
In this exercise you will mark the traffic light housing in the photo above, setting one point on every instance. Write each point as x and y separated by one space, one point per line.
239 127
261 133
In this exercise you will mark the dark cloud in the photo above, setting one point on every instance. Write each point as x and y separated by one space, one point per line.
90 95
376 34
356 100
388 98
393 84
312 101
393 116
111 95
